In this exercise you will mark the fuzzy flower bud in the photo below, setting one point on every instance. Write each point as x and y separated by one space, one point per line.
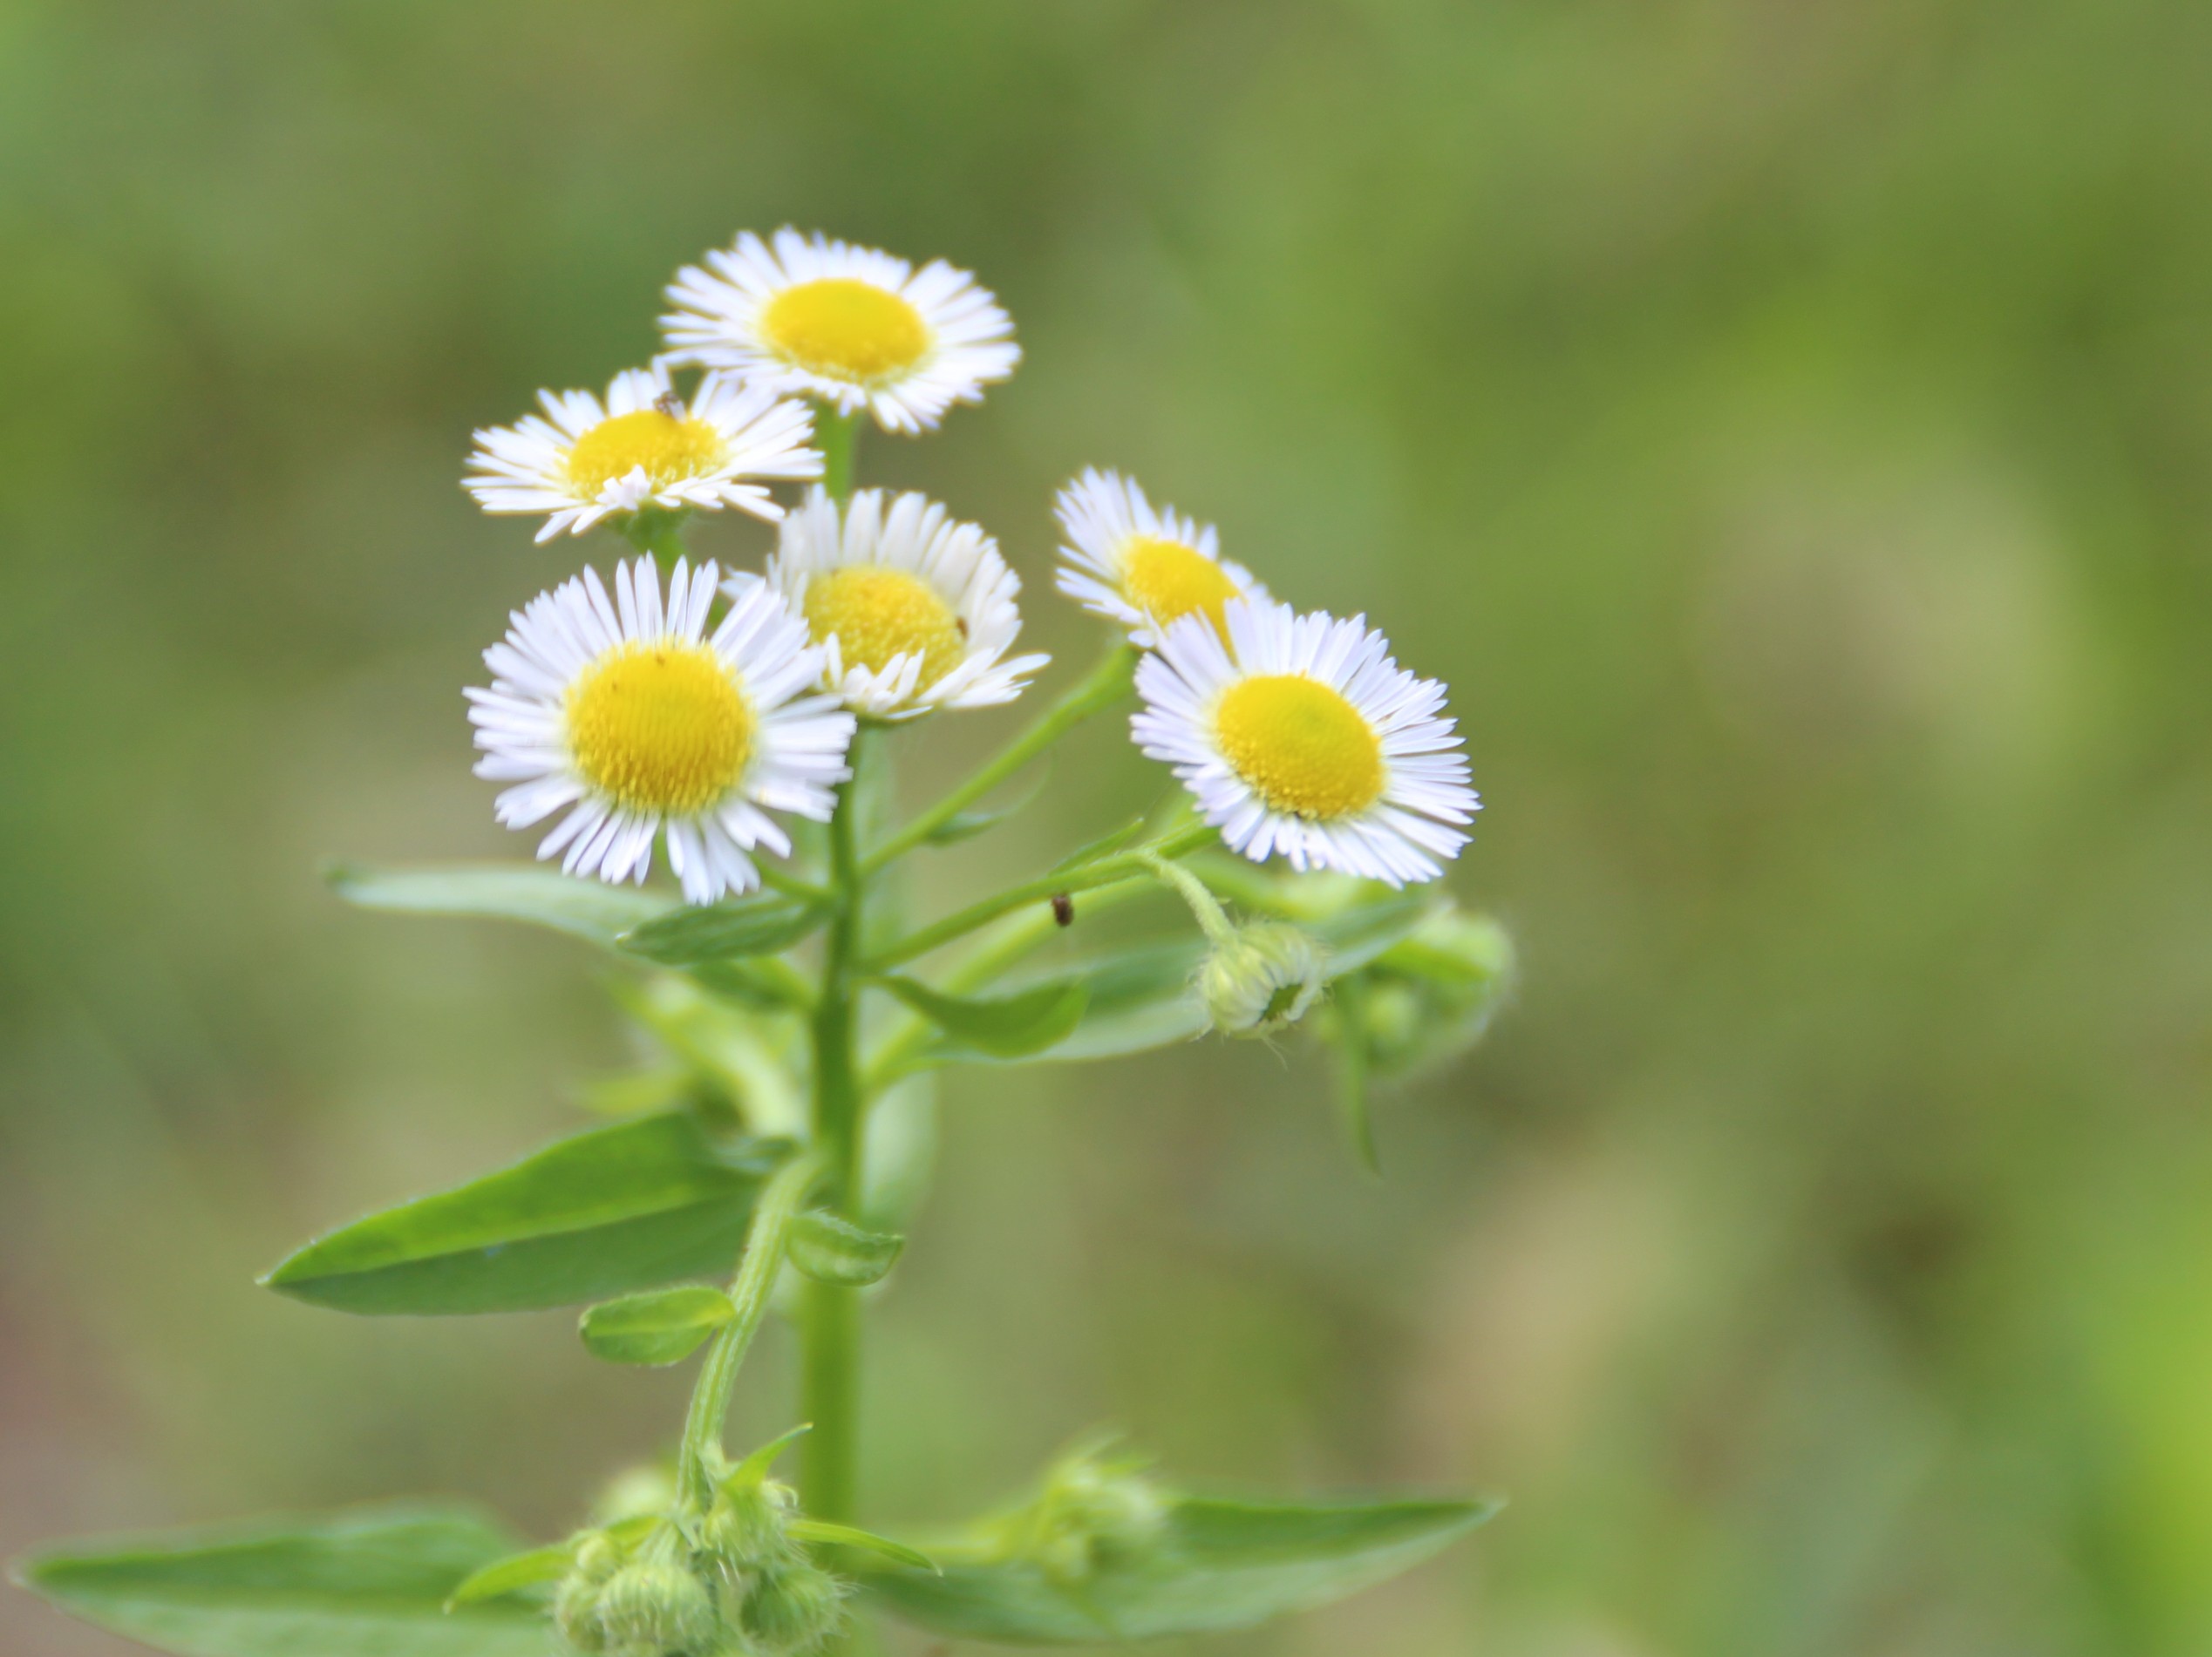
746 1528
1094 1512
657 1610
1260 978
792 1608
576 1602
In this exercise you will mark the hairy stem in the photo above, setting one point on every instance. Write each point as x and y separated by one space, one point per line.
1108 683
749 1290
658 531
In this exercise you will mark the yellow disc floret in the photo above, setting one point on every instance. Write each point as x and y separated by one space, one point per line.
878 613
1168 581
669 449
1303 748
659 728
848 329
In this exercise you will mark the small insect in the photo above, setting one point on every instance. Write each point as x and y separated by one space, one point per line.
1063 908
670 405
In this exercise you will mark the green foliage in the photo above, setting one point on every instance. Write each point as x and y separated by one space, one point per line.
372 1582
625 1207
833 1250
1004 1026
540 896
720 931
515 1573
658 1326
1216 1566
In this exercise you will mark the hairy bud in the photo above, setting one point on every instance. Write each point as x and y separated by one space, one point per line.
746 1527
1260 978
576 1602
1093 1513
791 1608
657 1610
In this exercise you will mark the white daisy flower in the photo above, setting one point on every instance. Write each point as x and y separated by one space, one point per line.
1300 736
642 724
583 460
1139 566
848 325
912 609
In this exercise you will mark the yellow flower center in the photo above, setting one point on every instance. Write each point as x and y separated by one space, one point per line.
840 326
659 727
878 613
1303 748
1168 581
667 448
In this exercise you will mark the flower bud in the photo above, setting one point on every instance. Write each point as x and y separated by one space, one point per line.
792 1608
746 1528
657 1610
576 1602
1094 1512
1261 979
642 1491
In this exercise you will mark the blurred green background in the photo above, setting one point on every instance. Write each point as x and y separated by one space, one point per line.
1787 423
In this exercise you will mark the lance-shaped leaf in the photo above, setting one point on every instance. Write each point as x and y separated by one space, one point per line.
369 1583
694 936
626 1207
587 909
966 824
513 1574
1139 997
1219 1565
831 1535
661 1326
1011 1026
832 1250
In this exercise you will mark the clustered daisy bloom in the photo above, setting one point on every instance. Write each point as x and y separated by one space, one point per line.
912 610
1299 737
1142 566
626 713
584 460
849 326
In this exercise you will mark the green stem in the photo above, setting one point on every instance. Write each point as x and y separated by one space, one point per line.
756 1280
838 436
657 530
1205 907
1108 683
1105 872
831 1327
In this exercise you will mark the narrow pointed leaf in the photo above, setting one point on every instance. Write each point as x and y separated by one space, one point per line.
542 897
1354 1100
756 1465
1105 845
695 936
1139 995
661 1326
963 825
849 1536
832 1250
631 1207
371 1582
1220 1565
512 1575
1003 1026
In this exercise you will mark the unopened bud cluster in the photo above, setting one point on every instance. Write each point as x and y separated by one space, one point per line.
1094 1514
731 1583
1433 995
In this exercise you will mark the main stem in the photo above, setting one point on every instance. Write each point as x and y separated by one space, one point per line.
830 1384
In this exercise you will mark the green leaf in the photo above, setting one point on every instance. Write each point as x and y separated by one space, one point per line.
1105 845
630 1206
1140 997
963 825
543 897
849 1536
1003 1026
694 936
832 1250
661 1326
755 1466
1354 1104
513 1574
371 1582
1220 1565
